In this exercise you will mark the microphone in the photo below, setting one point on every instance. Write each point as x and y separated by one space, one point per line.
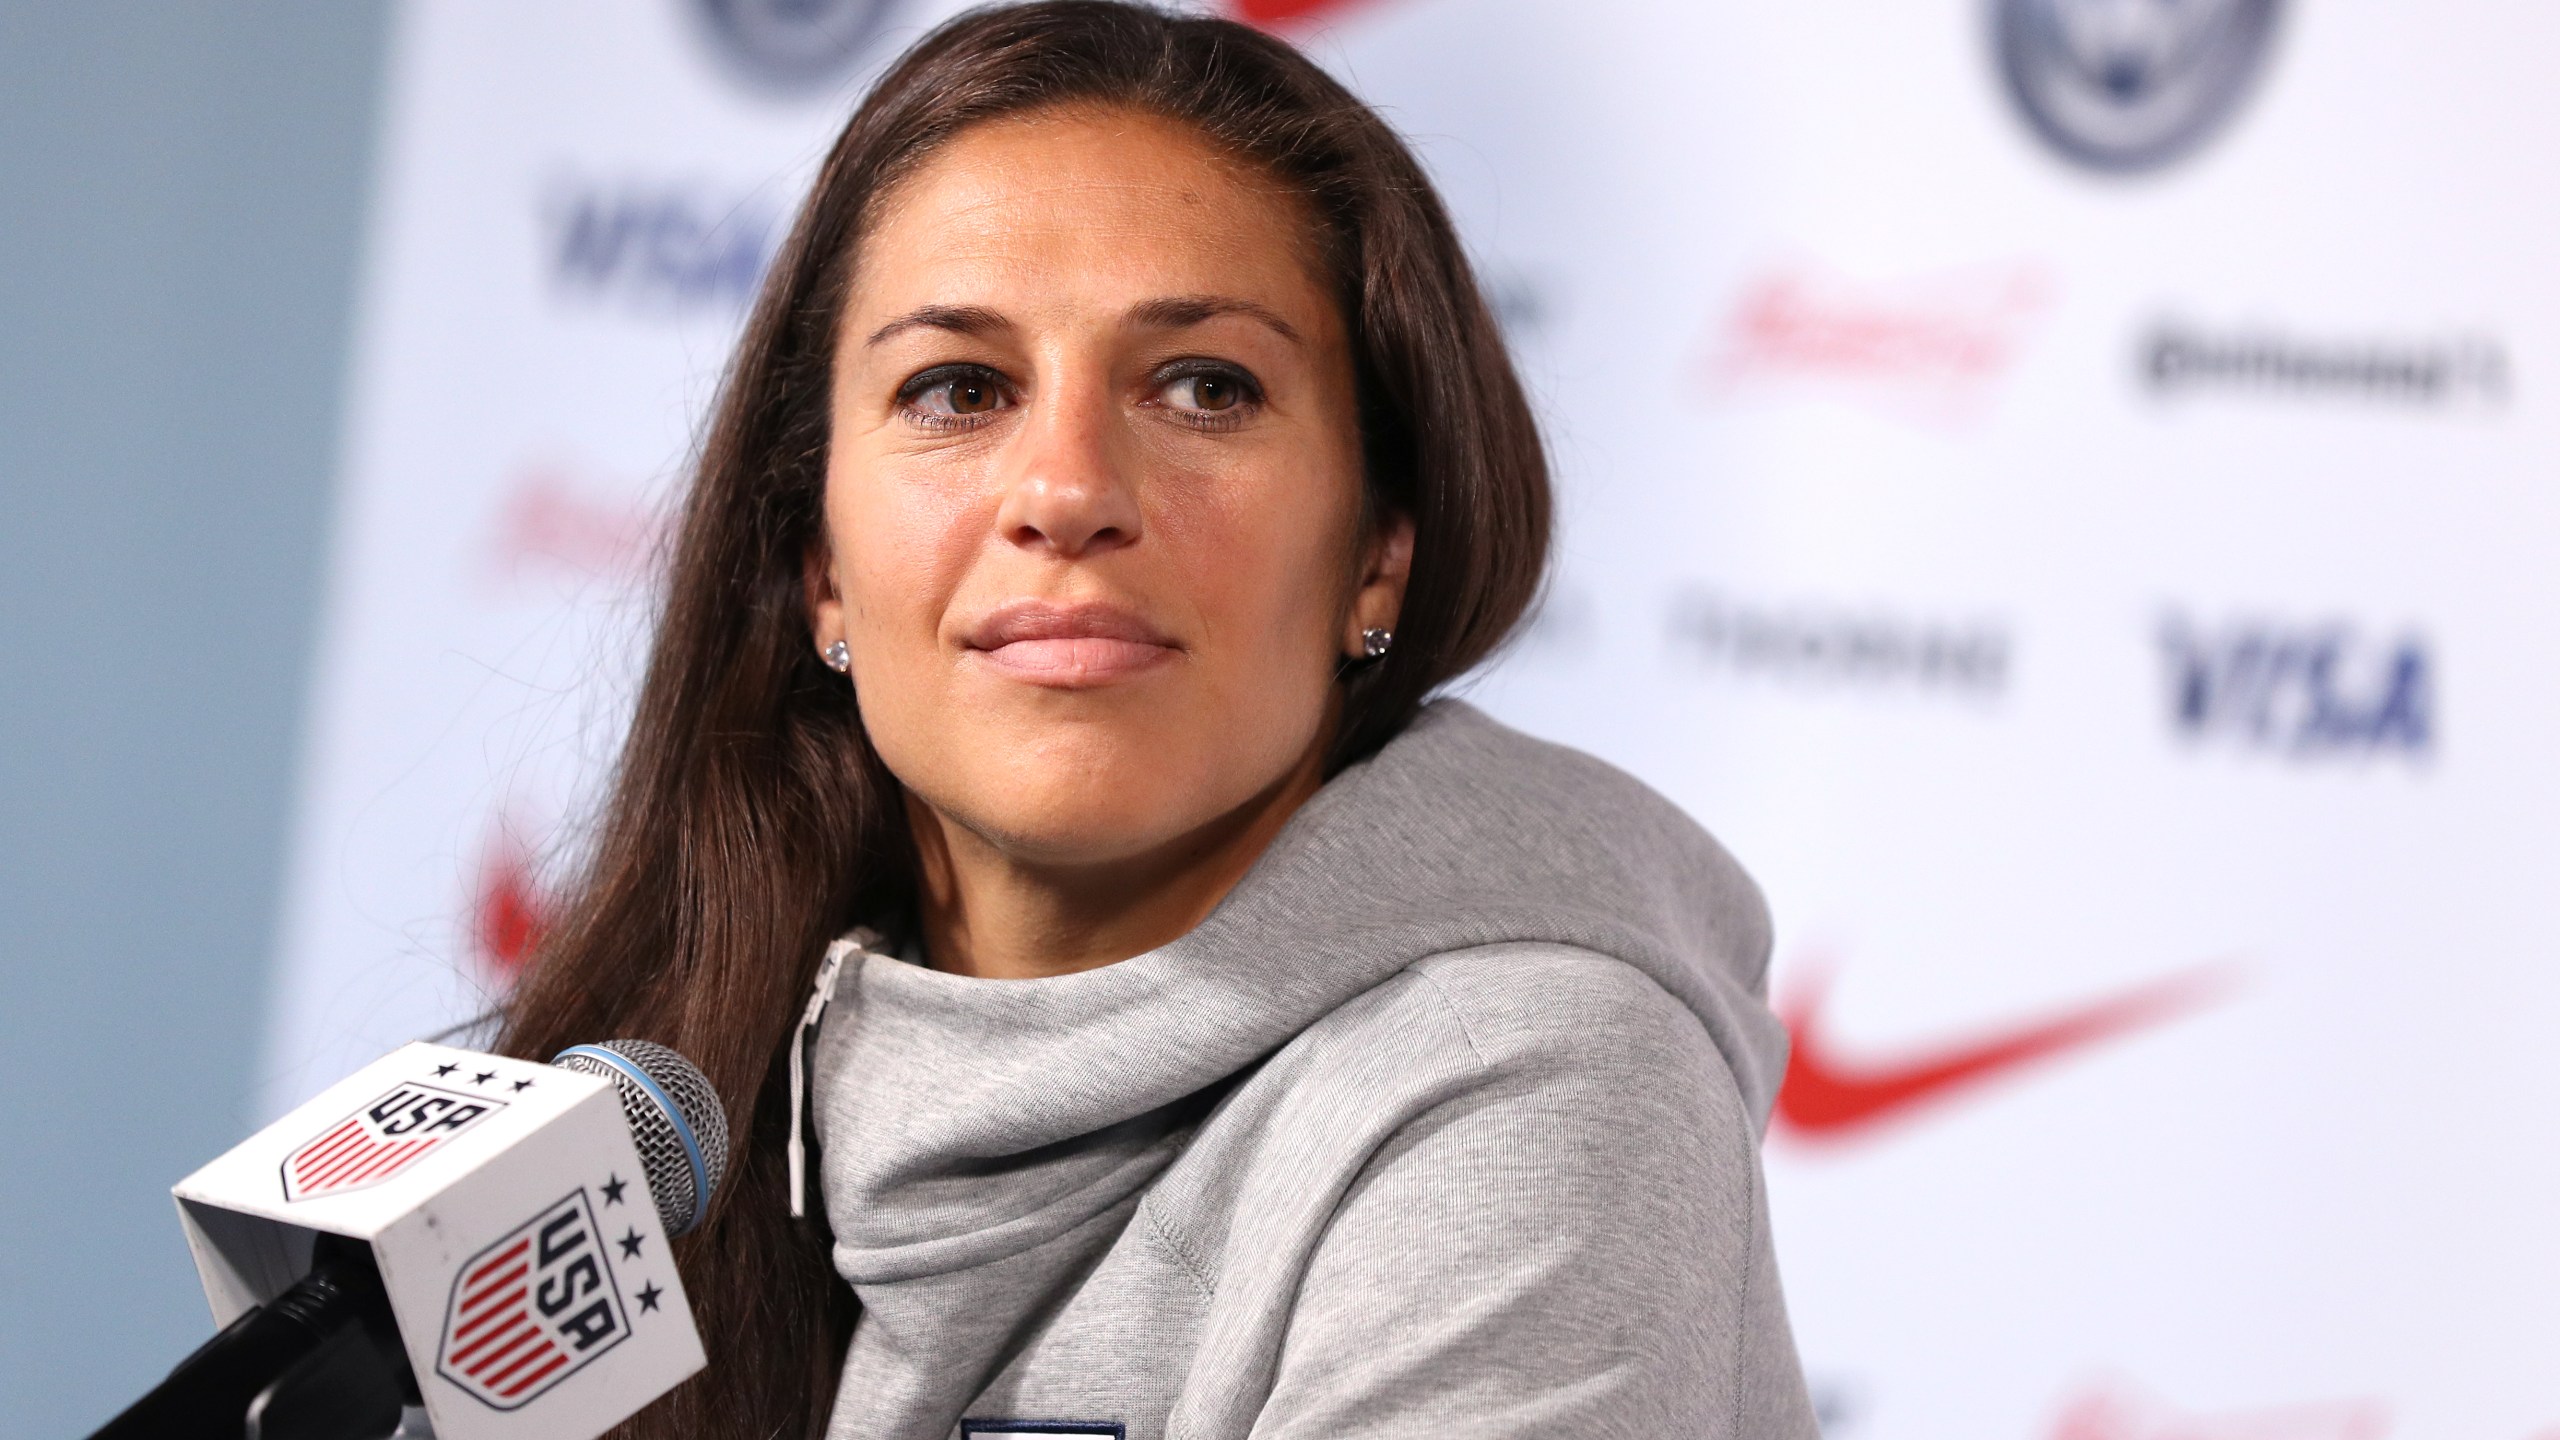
438 1232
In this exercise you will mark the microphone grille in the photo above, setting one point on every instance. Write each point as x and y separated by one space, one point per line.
676 1121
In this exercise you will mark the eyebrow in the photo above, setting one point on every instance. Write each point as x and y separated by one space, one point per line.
1172 313
1184 310
958 319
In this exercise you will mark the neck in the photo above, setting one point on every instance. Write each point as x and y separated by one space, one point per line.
993 915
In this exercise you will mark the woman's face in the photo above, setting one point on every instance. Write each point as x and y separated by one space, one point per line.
1093 489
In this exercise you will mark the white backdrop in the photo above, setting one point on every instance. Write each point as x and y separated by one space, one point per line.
2092 556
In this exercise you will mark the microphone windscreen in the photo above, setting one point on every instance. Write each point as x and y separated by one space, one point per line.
676 1121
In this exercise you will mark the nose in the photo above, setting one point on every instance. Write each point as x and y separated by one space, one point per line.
1069 492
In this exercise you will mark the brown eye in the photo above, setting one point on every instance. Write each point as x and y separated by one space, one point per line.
953 393
1209 391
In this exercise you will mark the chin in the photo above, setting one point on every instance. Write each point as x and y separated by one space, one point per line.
1086 816
1094 793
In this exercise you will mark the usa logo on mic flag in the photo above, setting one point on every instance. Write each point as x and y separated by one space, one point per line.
531 1309
400 1128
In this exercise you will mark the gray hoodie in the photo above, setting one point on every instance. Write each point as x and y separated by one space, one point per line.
1446 1122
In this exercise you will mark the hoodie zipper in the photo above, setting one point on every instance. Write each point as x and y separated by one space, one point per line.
822 990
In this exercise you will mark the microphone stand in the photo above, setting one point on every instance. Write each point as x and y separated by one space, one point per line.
322 1361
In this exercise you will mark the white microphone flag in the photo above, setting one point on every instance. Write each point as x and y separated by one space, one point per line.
510 1217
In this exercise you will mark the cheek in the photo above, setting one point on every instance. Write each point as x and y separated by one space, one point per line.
899 554
899 550
1270 575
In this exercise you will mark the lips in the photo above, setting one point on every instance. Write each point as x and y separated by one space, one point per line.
1068 646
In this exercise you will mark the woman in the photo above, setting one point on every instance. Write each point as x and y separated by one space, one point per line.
1222 1040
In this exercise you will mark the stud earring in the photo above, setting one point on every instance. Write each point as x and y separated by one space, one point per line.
1375 642
839 659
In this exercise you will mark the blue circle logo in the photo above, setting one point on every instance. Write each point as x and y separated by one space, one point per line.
2130 85
794 45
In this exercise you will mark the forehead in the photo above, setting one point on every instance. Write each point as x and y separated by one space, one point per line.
1085 202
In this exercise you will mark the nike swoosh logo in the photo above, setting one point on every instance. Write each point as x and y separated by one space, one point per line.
1826 1097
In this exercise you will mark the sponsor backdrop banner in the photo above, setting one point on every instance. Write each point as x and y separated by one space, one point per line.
2062 487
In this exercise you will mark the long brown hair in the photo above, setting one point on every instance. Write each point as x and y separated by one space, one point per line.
750 821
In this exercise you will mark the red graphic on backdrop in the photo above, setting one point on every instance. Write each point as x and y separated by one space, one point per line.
556 519
1272 14
1930 347
510 912
2120 1412
1829 1096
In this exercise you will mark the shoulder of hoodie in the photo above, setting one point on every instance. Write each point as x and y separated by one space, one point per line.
1535 1023
1546 783
1541 1005
1576 810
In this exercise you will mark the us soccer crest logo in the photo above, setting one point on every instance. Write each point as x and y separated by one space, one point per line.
399 1129
532 1309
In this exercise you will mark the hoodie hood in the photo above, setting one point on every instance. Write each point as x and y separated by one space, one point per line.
968 1123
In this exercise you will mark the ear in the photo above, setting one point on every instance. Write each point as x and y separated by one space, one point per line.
820 594
1383 572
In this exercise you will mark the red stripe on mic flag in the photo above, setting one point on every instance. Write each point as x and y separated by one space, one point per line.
348 1161
326 1146
313 1165
361 1171
411 1151
495 1311
329 1174
510 1254
473 1301
388 1161
495 1368
518 1329
372 1165
540 1352
339 1154
557 1360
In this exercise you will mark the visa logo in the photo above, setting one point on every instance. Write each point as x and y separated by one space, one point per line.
2300 691
663 248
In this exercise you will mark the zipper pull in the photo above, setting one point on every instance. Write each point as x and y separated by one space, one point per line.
820 992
